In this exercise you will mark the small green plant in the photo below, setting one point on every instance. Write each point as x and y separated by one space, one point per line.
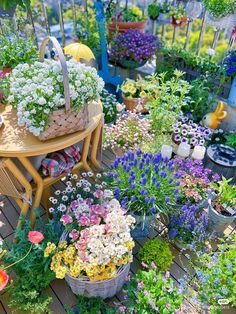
231 140
110 106
226 193
132 14
152 292
220 8
178 13
154 10
165 7
90 306
158 252
6 4
216 276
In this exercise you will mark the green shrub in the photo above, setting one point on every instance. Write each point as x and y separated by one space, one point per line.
158 252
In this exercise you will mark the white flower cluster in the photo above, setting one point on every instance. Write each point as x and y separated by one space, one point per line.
37 90
108 243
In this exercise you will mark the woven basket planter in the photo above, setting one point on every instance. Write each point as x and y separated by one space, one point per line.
63 121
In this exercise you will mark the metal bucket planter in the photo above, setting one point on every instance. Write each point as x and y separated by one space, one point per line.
218 222
142 227
227 22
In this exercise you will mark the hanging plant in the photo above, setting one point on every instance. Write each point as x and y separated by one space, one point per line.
6 4
220 8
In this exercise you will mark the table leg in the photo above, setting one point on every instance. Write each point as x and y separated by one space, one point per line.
85 151
95 145
39 182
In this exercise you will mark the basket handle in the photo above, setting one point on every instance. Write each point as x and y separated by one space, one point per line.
62 60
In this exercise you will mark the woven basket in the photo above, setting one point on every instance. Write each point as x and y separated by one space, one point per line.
103 289
63 121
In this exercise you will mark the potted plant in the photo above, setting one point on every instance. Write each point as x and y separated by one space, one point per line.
145 184
229 65
45 80
7 7
152 292
129 133
222 209
134 95
158 252
188 228
133 49
179 15
195 182
220 13
128 18
111 107
164 12
154 10
96 248
215 277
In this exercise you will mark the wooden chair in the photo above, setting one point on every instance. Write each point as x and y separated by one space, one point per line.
14 184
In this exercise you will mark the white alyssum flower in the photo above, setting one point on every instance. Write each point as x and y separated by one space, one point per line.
210 52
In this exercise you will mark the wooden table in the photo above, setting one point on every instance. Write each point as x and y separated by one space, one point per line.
17 142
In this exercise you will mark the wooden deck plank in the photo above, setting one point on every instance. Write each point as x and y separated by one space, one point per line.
56 306
63 292
2 310
10 212
5 227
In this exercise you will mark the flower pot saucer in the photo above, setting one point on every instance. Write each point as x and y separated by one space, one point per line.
222 154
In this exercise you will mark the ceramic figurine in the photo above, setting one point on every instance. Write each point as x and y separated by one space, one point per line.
213 119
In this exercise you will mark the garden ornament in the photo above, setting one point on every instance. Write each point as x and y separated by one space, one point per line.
213 119
79 51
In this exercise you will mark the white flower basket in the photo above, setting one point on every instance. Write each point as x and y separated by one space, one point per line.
227 22
103 289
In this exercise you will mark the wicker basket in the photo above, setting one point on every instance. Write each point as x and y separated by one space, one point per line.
63 121
103 289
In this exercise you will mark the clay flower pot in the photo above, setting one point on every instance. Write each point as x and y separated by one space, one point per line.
132 103
121 27
183 21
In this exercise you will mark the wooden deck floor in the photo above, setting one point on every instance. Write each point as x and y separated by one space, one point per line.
59 290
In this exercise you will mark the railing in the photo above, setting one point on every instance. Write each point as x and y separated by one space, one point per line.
45 8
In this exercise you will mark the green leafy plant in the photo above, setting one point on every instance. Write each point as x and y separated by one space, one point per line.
15 50
231 140
226 193
6 4
216 276
168 99
152 292
132 14
220 8
165 7
178 13
158 252
154 10
90 306
33 274
111 107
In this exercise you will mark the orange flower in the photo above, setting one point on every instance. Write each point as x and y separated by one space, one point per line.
3 279
35 237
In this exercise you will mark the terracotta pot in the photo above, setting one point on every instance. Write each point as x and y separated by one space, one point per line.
121 27
182 23
131 104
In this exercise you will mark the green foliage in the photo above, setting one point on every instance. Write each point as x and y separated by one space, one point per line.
132 14
231 140
109 106
6 4
154 10
158 252
149 290
178 12
226 193
216 275
33 274
156 144
91 306
168 99
220 8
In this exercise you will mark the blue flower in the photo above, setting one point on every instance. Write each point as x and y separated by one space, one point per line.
146 200
147 170
156 158
163 174
133 198
158 184
224 291
177 183
156 169
216 281
218 296
140 166
117 191
144 181
153 210
154 179
152 199
167 199
176 191
118 181
127 191
173 233
170 180
143 192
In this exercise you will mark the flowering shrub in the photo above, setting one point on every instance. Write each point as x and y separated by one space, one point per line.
144 183
216 276
220 8
111 107
129 132
189 132
152 292
15 50
133 45
229 63
195 180
37 90
96 251
189 227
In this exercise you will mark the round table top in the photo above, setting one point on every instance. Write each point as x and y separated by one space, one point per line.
16 141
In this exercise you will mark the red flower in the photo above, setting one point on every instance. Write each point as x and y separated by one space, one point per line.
3 279
35 237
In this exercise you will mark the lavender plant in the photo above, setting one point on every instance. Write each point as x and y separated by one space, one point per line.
144 183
